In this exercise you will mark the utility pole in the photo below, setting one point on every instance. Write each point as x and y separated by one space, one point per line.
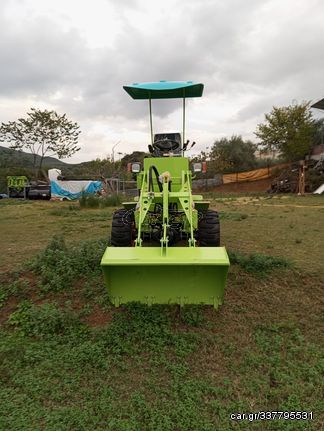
206 180
113 152
120 154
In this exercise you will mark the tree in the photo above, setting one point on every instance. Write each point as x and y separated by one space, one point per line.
319 131
99 167
289 130
43 133
135 156
232 155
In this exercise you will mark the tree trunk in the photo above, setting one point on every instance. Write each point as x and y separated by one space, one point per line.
34 166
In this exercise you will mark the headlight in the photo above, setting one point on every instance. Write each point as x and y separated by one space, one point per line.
134 167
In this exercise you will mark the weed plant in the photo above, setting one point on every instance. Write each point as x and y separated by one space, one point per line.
59 266
259 265
43 320
15 288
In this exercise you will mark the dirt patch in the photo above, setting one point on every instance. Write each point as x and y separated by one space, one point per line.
9 308
98 317
26 289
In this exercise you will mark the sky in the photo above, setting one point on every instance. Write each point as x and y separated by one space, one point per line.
74 57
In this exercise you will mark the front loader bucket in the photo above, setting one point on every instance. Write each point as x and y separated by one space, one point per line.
185 275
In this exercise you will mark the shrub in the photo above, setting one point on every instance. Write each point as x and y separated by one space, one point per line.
59 266
89 201
111 201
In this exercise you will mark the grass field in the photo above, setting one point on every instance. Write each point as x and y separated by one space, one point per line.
70 361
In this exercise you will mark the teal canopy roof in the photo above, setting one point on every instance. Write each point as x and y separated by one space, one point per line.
319 104
164 90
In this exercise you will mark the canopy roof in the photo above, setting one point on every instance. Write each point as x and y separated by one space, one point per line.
319 104
164 90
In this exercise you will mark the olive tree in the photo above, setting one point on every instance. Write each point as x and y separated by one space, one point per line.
288 130
44 134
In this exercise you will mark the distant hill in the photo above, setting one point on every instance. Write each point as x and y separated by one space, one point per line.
12 158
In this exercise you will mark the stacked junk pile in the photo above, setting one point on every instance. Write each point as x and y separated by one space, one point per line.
300 177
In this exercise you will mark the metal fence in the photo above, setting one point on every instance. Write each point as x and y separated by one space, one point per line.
119 186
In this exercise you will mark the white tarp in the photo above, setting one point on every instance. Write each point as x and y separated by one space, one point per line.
71 189
320 190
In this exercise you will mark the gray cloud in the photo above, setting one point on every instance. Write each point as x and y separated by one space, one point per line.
259 52
39 58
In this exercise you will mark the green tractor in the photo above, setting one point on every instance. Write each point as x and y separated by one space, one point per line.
17 186
165 245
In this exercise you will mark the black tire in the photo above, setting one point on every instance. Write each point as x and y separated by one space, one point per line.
209 229
122 228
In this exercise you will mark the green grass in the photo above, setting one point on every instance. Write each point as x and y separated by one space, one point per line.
65 211
140 372
13 202
225 215
26 232
18 289
43 320
59 267
258 264
91 201
288 225
70 361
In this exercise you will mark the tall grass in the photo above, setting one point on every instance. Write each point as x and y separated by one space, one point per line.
92 201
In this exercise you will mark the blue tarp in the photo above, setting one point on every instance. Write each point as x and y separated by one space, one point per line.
57 190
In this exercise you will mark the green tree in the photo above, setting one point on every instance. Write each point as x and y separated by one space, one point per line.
232 155
135 156
43 133
99 167
288 130
319 131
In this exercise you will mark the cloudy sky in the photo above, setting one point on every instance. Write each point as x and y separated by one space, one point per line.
74 56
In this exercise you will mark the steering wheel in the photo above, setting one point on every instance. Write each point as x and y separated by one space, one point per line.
166 145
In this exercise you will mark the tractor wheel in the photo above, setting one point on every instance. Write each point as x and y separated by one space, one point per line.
209 230
122 228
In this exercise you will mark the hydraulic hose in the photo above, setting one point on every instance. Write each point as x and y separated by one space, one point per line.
150 178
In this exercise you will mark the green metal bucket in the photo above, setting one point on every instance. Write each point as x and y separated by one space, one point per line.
185 275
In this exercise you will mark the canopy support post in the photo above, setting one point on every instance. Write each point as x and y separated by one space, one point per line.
183 120
151 124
